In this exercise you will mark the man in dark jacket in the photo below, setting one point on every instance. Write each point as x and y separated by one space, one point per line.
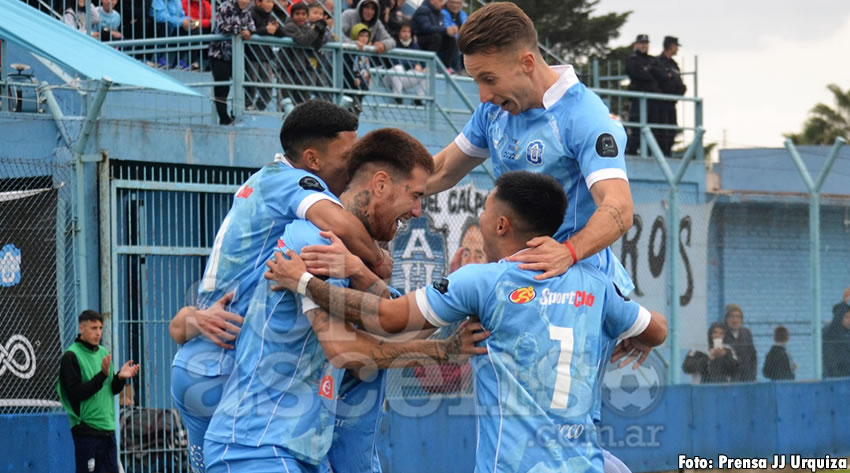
719 365
433 34
836 343
259 57
666 72
86 388
639 69
741 340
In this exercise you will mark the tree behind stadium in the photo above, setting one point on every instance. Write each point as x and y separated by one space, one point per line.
570 30
825 123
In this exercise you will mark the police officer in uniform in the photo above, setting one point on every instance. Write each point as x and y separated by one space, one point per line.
666 72
639 69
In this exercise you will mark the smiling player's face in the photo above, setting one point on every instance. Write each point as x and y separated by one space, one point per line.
502 79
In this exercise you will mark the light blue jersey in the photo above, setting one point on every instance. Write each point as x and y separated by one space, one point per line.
270 199
537 387
283 391
573 138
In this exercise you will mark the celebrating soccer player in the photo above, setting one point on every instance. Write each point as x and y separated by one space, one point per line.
537 388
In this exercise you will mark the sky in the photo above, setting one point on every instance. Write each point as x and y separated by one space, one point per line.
762 63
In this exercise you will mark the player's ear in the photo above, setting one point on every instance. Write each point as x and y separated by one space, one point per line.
502 225
311 159
381 183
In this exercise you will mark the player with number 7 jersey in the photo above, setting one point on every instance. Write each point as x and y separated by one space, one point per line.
537 386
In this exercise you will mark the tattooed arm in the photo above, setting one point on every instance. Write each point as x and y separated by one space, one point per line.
346 347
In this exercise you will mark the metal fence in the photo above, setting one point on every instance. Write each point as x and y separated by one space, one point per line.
38 280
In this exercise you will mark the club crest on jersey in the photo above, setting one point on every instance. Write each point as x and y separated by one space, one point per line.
534 152
326 387
523 295
244 192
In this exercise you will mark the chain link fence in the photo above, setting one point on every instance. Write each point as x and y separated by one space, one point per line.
38 286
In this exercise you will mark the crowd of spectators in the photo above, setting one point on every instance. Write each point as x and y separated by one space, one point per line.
381 24
731 354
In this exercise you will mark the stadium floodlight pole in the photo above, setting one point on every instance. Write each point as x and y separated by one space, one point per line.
814 239
673 180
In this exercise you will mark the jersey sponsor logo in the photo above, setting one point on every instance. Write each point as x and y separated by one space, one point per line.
326 387
574 298
534 152
280 243
606 146
245 192
311 184
523 295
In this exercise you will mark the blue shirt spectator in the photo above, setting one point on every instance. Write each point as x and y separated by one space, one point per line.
171 14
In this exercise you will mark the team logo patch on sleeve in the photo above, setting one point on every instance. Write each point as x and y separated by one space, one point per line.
311 184
441 285
606 146
245 192
523 295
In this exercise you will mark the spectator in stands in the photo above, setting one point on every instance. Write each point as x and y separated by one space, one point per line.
261 57
367 13
76 18
397 82
639 69
778 364
718 366
299 65
86 388
200 13
836 343
666 72
453 15
432 32
170 21
110 20
136 21
741 340
394 17
234 18
360 67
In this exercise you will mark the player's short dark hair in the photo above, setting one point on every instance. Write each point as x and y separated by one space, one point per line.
314 123
498 26
537 200
298 6
90 316
780 334
390 147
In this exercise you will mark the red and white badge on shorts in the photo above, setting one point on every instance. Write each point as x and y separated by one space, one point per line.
326 387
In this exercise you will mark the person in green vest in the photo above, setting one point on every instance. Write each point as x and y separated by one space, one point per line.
86 388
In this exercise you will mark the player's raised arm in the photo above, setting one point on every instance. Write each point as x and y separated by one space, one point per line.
329 216
450 165
374 314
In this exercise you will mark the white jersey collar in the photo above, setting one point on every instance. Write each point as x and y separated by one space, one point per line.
561 86
280 158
